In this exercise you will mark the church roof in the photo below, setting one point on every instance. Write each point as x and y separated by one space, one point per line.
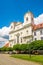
38 26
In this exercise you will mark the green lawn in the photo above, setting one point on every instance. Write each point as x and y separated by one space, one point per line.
36 58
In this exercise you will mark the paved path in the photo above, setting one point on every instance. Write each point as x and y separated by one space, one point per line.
5 59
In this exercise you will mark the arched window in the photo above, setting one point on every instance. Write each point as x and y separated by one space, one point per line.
26 18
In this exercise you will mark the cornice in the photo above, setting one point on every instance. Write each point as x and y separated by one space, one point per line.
25 26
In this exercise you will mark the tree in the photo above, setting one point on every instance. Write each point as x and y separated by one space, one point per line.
16 47
37 45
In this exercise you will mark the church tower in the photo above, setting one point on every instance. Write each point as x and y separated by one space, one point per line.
29 22
28 18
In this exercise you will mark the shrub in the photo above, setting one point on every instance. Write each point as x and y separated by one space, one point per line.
6 49
35 45
24 47
9 49
3 49
16 47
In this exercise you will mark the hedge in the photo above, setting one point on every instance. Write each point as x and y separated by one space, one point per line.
35 45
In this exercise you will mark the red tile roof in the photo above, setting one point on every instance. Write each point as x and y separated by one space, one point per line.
7 45
38 26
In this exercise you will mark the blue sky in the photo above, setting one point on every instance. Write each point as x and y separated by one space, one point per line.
14 10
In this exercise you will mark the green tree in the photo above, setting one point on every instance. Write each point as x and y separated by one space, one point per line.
16 47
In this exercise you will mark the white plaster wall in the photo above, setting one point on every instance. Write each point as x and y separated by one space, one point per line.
38 35
23 30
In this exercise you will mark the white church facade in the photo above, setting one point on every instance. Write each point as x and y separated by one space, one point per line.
25 32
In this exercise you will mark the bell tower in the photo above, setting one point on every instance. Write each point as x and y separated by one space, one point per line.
28 18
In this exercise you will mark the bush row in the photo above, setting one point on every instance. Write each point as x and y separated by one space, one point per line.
6 49
35 45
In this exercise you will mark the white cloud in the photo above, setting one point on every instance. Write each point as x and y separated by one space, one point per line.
38 19
3 41
4 31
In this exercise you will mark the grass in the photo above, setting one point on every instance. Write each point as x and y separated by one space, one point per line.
35 58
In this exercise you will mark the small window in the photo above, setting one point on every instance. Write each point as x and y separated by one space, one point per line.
18 39
21 40
41 32
32 18
27 31
35 33
41 38
11 26
27 19
21 32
